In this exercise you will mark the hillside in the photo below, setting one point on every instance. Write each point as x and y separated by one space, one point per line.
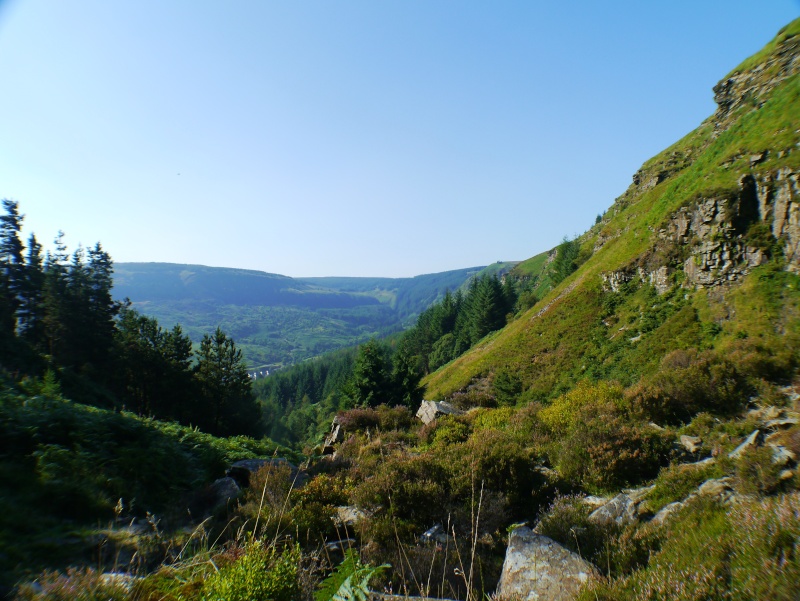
275 319
684 258
627 430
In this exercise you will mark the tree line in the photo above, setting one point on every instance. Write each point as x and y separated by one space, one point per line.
298 403
58 318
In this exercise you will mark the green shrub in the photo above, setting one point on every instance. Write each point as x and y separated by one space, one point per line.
259 573
756 474
676 482
688 383
606 453
450 430
744 552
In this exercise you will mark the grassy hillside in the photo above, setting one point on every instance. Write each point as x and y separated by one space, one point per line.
583 329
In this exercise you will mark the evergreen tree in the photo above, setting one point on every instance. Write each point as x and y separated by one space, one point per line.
369 384
11 268
56 301
31 311
405 380
225 387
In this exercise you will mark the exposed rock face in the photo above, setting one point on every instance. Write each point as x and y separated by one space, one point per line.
713 229
430 410
538 568
741 90
224 490
336 435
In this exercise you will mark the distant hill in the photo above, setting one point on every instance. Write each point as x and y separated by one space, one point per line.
279 320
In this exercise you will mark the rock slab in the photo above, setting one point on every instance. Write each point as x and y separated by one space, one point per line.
538 568
430 410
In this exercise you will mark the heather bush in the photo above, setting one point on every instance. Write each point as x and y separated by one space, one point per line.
492 419
409 487
756 473
495 460
606 453
687 383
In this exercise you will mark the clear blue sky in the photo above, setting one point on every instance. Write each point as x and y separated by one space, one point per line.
375 137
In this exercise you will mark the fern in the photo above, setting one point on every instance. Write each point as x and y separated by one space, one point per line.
349 580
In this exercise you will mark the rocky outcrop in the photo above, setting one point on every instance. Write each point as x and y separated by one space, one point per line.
537 568
748 88
335 436
430 410
619 510
712 235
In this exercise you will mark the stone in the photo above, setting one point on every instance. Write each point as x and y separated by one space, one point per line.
750 442
638 494
336 435
349 515
781 456
430 410
665 512
782 423
620 510
595 502
538 568
436 534
720 488
341 545
223 490
692 444
120 580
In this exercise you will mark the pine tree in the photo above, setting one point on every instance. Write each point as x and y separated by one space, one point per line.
31 311
369 384
225 387
11 268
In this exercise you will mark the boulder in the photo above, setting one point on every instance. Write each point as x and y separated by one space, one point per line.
692 444
336 435
595 502
349 515
223 490
620 510
781 456
430 410
437 534
537 568
721 488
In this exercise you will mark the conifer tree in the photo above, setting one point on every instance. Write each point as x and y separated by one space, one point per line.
225 387
11 267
